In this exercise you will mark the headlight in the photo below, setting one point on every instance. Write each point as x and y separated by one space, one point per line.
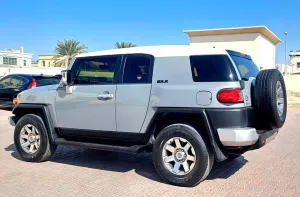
19 96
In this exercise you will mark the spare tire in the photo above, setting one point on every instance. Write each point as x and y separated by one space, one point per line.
270 100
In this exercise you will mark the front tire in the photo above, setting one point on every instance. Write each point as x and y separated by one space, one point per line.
181 156
31 139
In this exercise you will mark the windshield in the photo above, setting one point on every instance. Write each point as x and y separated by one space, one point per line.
246 67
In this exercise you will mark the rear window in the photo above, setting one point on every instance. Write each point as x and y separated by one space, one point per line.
246 67
212 68
46 81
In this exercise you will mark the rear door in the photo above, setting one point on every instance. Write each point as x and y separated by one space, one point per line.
248 72
133 92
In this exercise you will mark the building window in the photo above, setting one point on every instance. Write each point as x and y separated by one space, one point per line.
9 61
48 64
298 64
43 63
24 62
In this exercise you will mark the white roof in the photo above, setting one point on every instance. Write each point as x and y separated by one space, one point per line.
159 51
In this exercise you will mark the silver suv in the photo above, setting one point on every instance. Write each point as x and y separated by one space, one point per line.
189 106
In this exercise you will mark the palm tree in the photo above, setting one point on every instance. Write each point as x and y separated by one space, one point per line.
120 45
66 51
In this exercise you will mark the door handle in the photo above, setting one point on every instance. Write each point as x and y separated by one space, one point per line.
105 96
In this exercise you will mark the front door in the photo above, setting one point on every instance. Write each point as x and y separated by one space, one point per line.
90 107
133 92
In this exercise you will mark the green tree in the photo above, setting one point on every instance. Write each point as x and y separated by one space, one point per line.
120 45
66 50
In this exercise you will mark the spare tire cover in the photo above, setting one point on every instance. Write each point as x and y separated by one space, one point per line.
270 100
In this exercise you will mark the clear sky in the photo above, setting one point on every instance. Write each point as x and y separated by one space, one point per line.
38 24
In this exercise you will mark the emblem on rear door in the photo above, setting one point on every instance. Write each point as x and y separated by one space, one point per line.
162 81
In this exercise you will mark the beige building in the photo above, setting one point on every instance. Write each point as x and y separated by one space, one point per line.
295 61
257 41
34 64
45 61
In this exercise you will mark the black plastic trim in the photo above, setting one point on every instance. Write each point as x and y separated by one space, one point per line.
229 118
132 149
140 138
219 154
24 108
238 54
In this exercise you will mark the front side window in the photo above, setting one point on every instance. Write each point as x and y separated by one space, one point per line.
137 69
9 61
94 70
24 62
298 64
212 68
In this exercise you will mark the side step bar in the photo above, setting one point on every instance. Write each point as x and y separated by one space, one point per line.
130 149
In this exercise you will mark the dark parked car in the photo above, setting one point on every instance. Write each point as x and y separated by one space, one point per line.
11 85
59 76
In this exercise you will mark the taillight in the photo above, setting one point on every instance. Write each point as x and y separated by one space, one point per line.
32 84
232 95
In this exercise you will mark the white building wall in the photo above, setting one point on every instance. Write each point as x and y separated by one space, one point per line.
18 55
265 52
21 64
261 50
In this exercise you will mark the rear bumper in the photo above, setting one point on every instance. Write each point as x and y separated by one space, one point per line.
236 128
239 137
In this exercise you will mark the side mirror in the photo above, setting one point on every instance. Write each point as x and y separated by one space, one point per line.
67 77
66 80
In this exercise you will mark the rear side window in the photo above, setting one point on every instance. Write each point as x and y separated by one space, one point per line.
137 69
246 67
18 81
212 68
46 81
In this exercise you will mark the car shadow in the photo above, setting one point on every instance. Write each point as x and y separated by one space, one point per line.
124 162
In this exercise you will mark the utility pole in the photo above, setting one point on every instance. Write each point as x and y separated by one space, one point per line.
22 59
285 62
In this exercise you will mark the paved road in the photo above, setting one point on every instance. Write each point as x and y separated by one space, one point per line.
273 170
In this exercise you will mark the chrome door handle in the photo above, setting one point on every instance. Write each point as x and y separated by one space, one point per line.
105 96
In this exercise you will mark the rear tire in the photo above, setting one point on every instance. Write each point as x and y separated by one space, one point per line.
31 139
198 168
270 100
